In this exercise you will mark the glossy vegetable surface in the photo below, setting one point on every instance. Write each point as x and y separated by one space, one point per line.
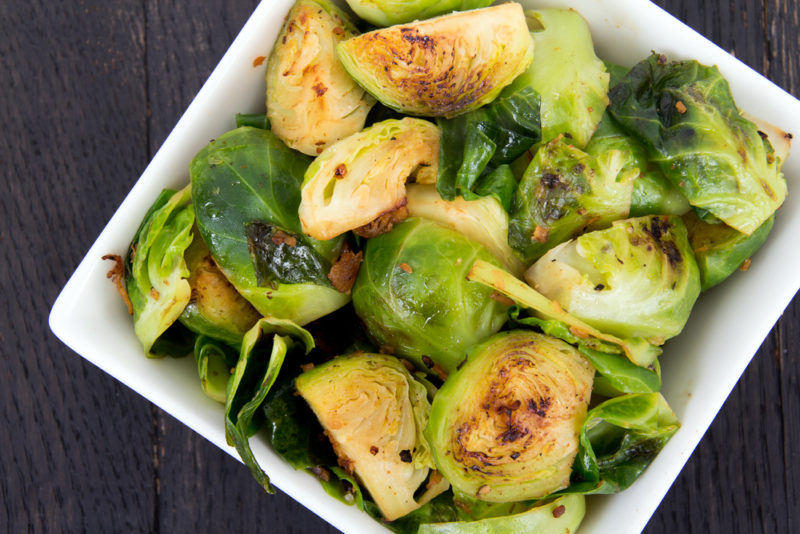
388 12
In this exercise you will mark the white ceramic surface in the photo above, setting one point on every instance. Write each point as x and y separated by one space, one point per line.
700 367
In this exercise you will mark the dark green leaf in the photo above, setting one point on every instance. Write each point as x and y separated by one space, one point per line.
255 120
283 257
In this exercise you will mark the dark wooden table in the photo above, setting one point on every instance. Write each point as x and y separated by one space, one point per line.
90 89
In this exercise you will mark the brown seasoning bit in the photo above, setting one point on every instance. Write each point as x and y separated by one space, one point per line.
373 450
259 61
117 276
383 223
540 234
406 267
681 107
559 510
745 265
502 299
343 273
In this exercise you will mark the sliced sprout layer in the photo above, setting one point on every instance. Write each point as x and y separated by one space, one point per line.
638 350
636 279
505 426
483 220
389 12
374 413
311 100
363 177
442 66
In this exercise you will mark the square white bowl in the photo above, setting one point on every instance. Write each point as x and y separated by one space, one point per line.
700 367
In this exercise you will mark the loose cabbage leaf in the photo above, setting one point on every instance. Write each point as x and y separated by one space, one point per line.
245 176
263 351
156 272
566 191
619 440
215 360
563 514
572 81
684 112
475 146
638 350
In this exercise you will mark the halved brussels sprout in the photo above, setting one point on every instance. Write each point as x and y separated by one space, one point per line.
156 273
719 249
571 80
413 295
565 192
636 279
215 309
442 66
388 12
311 100
505 426
483 220
684 112
374 413
563 514
363 177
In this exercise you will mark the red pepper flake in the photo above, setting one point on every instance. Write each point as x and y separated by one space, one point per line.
745 265
117 276
406 267
259 61
681 107
559 510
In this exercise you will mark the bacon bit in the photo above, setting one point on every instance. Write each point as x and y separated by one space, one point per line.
343 273
340 172
306 367
280 237
373 450
383 223
117 276
540 234
406 267
319 89
681 107
259 61
579 333
154 293
745 265
559 510
321 473
435 367
338 30
483 490
502 299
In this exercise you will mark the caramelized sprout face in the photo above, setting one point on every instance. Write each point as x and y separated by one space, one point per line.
311 101
374 413
360 178
442 66
505 426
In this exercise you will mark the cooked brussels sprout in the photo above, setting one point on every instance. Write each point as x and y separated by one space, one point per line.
389 12
215 359
652 193
563 514
638 350
215 308
246 189
156 274
264 348
565 192
363 177
413 296
374 413
311 100
483 220
442 66
636 279
571 80
720 250
505 426
684 112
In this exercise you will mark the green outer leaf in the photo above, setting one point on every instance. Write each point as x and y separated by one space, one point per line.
215 360
156 269
475 146
276 260
538 519
249 175
573 82
620 374
619 440
252 379
564 192
684 112
438 510
638 350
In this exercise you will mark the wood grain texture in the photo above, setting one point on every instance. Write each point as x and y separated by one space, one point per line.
90 90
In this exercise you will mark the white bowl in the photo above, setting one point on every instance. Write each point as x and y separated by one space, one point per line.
700 367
